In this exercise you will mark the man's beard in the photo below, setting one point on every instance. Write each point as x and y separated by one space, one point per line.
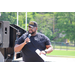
31 33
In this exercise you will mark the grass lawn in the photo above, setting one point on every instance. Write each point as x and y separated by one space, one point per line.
63 53
65 47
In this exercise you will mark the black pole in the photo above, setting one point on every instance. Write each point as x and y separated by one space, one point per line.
5 53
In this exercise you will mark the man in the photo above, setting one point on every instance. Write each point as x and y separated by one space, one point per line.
37 41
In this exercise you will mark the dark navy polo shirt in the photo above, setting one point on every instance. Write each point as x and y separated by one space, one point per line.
39 41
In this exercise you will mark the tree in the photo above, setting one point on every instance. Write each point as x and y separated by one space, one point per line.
48 22
65 23
9 16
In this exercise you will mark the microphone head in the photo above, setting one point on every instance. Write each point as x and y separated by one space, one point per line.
29 34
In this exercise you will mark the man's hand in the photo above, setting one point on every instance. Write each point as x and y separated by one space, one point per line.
49 49
19 47
27 40
42 52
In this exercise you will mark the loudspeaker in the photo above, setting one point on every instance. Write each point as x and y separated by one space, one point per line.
4 34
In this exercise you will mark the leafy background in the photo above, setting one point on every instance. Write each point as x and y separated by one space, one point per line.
52 24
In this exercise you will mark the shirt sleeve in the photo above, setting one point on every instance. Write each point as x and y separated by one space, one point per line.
20 40
47 41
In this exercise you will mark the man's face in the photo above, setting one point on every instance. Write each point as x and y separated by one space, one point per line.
32 29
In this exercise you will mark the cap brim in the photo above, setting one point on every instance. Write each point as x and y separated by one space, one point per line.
31 25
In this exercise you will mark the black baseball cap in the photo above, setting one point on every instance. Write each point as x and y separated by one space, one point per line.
33 24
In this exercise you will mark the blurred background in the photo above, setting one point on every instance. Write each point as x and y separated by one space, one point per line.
59 27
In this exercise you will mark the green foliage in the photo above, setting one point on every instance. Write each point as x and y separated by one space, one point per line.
65 24
49 23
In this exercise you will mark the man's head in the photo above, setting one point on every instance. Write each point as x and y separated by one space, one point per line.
32 27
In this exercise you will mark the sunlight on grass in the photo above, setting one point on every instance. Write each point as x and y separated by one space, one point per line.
63 52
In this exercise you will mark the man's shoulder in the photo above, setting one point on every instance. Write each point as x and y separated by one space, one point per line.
40 34
25 35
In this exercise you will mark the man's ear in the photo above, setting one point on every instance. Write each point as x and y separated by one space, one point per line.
36 28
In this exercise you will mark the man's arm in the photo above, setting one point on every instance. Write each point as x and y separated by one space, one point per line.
18 47
49 49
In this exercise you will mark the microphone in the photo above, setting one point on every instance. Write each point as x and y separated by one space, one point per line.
29 37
